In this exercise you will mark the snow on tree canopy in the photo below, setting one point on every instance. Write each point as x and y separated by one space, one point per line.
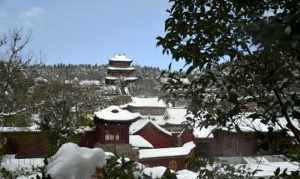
115 113
74 162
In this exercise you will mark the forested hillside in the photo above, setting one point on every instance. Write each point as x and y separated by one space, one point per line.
147 84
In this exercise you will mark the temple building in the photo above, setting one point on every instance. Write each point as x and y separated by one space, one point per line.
111 131
147 107
120 70
112 125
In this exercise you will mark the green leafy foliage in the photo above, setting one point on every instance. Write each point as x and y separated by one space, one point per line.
5 173
119 167
43 171
169 175
239 56
279 174
233 69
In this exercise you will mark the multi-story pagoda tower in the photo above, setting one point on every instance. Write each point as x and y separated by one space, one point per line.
120 69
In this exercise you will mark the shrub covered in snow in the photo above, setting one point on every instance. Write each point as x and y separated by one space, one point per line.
74 162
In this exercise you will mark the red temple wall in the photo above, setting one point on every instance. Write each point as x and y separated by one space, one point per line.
186 136
120 73
27 144
148 110
88 139
122 130
156 137
165 161
119 63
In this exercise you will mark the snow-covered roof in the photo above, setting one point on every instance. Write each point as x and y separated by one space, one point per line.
140 124
19 129
246 124
115 113
33 128
175 116
89 83
120 68
110 87
167 152
264 165
147 102
11 113
125 78
265 169
139 141
120 57
155 172
158 119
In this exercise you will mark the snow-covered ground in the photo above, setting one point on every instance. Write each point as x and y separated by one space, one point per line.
186 174
13 164
71 162
159 171
21 166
